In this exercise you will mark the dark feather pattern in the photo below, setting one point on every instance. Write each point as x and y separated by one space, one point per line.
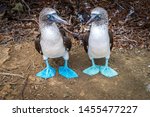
37 44
111 39
85 39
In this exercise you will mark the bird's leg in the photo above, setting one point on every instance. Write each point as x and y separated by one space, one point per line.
66 63
67 72
106 62
93 70
48 72
108 71
93 62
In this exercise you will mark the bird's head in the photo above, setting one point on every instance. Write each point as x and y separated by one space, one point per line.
49 16
98 16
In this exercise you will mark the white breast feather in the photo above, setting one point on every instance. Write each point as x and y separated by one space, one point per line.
99 42
52 42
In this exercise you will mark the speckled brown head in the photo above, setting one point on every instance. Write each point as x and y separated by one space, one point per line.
99 16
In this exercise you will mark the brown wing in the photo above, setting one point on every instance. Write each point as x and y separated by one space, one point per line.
85 39
66 40
37 44
111 39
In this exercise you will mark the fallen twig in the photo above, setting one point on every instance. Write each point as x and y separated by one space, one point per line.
73 33
25 83
24 87
129 39
29 10
11 74
33 20
117 3
5 41
129 14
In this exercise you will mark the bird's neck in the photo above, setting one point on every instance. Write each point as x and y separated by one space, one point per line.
103 27
43 25
50 32
99 32
101 22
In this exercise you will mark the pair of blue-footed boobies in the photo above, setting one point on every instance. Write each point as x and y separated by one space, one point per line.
52 43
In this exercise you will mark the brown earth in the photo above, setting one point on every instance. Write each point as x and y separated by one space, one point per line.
22 62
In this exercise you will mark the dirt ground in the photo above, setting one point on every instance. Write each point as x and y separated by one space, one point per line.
21 62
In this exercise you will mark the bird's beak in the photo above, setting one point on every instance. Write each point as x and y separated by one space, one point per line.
92 19
60 20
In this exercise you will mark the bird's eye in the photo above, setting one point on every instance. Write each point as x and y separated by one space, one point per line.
97 17
49 16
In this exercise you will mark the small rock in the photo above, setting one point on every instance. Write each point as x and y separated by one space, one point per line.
149 66
138 51
82 93
18 47
35 87
121 22
33 78
66 95
72 82
52 82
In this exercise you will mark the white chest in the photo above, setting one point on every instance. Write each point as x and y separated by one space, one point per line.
52 42
99 42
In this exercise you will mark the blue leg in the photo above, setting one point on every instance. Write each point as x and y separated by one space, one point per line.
107 71
67 72
93 70
48 72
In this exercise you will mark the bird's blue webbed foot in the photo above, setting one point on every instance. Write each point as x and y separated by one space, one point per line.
67 72
93 70
108 71
48 72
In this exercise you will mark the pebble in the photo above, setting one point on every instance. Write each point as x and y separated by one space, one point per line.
33 78
18 47
82 93
66 95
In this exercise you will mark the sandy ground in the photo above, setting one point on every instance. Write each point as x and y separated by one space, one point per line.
20 62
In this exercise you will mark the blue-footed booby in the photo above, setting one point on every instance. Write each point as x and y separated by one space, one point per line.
99 43
51 43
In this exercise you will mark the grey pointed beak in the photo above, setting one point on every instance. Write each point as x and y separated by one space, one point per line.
92 19
60 20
